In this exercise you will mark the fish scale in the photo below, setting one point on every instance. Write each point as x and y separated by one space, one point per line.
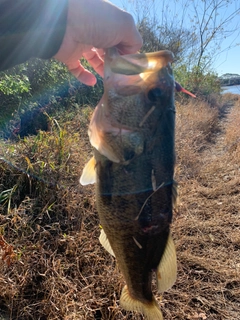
132 134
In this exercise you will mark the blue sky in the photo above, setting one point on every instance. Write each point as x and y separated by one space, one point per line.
228 61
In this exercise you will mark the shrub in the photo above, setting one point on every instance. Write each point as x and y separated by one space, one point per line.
197 81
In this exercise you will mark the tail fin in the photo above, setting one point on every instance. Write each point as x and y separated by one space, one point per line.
150 310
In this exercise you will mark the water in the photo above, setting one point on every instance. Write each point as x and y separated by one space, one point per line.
231 89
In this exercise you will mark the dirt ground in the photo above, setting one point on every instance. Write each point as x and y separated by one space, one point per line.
61 270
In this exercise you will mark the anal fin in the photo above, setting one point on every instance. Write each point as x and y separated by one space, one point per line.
105 243
167 268
150 310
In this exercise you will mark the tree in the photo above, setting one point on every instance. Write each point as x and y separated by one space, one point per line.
160 26
193 29
212 21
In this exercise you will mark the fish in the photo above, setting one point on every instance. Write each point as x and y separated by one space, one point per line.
132 131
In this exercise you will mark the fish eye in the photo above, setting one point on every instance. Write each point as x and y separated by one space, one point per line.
154 94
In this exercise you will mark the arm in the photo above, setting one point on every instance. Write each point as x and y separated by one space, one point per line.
30 28
67 30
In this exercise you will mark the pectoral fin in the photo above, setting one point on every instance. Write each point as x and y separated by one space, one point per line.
89 173
150 310
105 243
167 269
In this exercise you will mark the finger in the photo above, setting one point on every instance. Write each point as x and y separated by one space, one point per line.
95 61
100 52
83 75
125 48
131 40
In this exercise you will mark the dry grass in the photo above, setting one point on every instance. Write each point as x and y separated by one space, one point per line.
196 124
60 271
207 225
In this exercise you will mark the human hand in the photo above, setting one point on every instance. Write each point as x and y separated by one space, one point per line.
92 26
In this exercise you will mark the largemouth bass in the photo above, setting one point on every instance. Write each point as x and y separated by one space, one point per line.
132 132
